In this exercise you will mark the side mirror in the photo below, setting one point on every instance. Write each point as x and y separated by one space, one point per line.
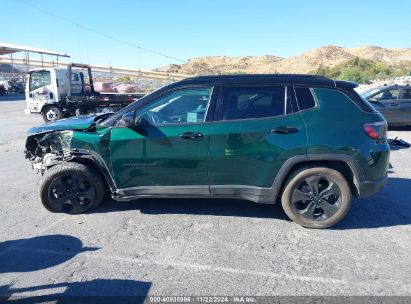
127 120
141 120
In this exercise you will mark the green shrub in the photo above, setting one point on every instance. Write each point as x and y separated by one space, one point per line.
362 71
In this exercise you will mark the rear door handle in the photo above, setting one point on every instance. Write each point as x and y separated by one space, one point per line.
191 135
394 104
284 130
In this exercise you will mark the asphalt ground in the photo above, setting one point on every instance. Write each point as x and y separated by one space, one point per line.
191 247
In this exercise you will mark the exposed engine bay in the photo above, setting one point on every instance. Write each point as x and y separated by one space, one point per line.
45 150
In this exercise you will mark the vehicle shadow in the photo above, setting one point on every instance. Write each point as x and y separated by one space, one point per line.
93 291
389 207
39 252
195 206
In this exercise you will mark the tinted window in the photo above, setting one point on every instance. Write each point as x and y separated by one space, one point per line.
304 98
387 95
180 106
253 102
405 94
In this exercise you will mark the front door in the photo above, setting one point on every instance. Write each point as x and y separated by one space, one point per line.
166 153
258 130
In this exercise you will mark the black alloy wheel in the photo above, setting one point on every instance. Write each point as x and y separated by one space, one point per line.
71 187
316 197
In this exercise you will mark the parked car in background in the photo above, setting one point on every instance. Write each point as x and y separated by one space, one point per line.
393 101
308 141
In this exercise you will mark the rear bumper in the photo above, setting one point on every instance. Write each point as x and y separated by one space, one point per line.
370 187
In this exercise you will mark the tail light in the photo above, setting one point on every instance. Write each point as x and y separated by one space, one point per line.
376 130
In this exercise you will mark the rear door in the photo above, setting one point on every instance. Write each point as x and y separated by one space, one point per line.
257 129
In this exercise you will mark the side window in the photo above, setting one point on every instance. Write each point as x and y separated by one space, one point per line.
404 94
181 106
74 77
305 98
387 95
242 102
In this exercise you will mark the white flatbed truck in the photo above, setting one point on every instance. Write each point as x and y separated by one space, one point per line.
56 93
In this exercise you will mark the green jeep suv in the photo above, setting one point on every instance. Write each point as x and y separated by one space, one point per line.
307 141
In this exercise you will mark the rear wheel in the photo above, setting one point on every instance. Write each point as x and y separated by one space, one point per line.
51 113
316 197
71 188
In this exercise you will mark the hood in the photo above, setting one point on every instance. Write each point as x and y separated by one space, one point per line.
73 123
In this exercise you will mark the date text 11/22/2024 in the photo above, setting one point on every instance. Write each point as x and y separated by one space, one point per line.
202 299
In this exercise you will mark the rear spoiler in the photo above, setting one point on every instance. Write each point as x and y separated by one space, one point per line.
342 84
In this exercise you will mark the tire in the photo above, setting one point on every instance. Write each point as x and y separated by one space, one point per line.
306 206
51 113
71 188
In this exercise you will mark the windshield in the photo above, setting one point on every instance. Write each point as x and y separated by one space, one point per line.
113 118
369 92
39 79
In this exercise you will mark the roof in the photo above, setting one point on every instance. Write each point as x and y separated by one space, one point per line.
9 48
389 86
298 79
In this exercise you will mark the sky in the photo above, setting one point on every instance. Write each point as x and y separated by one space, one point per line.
183 29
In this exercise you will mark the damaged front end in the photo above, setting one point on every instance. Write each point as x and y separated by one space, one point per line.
45 150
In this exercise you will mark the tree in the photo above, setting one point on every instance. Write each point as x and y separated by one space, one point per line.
361 71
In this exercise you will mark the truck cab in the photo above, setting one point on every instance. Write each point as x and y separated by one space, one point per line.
57 93
48 87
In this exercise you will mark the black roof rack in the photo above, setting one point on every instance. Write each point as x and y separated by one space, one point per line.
299 79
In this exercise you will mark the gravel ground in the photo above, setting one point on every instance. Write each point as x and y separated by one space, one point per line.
195 247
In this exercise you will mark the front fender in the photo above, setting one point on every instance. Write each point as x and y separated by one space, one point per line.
94 160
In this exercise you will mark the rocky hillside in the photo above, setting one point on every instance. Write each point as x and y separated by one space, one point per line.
327 56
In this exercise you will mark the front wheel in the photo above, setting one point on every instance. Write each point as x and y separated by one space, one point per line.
51 113
316 197
71 188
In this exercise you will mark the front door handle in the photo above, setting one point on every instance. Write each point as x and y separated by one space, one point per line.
394 104
191 135
285 130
